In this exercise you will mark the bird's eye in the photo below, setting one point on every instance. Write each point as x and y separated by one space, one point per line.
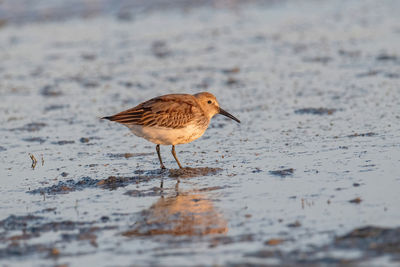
209 102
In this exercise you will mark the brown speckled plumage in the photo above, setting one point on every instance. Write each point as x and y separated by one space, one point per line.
171 111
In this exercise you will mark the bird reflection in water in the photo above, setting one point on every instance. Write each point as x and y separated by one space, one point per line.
184 213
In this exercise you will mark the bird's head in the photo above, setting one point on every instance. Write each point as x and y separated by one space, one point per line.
210 105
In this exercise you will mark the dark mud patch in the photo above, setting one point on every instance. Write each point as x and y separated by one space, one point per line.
15 249
47 210
64 187
375 241
88 139
233 82
50 91
368 73
226 240
63 142
316 111
39 140
127 155
294 224
87 233
84 140
89 83
34 225
88 56
160 49
356 200
13 222
262 254
320 59
114 182
233 70
192 172
370 240
295 258
274 241
371 73
18 230
386 57
362 134
55 107
350 53
283 172
392 75
31 127
212 188
2 149
110 183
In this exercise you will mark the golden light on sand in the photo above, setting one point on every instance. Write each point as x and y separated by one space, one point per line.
183 214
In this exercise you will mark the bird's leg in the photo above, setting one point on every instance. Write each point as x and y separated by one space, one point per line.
174 154
159 157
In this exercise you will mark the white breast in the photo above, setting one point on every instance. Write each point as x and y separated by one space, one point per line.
169 136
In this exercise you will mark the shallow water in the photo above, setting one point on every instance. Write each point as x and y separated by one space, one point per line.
316 86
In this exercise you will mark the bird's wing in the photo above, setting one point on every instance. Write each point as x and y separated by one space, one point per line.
165 111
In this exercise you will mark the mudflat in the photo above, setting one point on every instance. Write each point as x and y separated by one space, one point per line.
310 176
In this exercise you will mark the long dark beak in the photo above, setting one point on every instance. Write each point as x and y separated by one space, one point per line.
223 112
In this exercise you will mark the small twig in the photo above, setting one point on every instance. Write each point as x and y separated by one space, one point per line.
42 160
34 161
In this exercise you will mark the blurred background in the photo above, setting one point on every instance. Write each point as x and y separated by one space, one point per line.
25 11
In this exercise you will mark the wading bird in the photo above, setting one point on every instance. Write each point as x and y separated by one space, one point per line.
171 119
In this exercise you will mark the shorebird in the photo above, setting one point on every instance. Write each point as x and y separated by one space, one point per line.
171 119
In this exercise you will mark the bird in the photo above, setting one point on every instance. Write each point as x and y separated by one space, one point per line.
171 119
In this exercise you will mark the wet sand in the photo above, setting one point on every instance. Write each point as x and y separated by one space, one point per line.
309 177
